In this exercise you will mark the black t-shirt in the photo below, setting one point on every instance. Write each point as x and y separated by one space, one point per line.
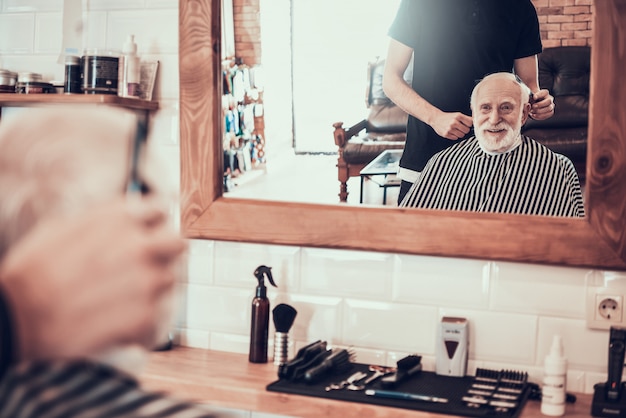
455 44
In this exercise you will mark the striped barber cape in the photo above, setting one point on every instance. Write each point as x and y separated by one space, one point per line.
530 179
82 389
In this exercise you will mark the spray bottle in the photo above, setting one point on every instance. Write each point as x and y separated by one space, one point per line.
259 326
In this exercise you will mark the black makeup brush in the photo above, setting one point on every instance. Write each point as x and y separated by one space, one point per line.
283 316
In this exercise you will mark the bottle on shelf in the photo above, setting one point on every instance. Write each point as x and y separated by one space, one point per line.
130 71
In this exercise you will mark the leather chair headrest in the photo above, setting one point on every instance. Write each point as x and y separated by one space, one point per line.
564 70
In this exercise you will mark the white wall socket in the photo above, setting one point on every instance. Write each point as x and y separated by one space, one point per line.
605 308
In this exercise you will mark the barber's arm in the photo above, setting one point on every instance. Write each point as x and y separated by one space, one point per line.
76 286
542 103
453 125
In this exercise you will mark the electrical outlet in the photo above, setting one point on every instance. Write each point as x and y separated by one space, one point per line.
605 308
609 308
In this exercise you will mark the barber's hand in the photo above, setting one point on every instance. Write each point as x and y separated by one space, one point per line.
542 105
80 285
452 126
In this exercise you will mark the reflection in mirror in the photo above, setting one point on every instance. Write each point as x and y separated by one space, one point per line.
328 55
334 64
499 170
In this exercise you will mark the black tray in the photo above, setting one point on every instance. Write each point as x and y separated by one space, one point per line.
424 383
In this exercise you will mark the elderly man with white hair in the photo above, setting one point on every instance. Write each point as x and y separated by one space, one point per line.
499 170
76 351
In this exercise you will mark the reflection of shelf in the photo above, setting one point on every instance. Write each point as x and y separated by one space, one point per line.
22 100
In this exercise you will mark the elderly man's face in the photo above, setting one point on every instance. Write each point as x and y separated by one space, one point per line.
498 114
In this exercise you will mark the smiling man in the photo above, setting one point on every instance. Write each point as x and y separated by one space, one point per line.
499 170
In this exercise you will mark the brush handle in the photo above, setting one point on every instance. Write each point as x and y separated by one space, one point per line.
305 354
336 359
281 347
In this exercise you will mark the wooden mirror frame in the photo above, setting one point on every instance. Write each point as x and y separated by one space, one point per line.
598 241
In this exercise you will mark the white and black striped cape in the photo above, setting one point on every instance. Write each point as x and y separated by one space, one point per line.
530 179
81 389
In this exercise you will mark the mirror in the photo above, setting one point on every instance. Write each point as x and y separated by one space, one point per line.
597 241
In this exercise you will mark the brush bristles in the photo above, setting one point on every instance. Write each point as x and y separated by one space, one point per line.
283 316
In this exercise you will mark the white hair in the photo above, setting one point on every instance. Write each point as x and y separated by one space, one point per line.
524 89
58 161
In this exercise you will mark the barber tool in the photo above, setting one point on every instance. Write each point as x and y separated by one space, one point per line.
404 396
500 390
406 367
379 371
452 347
338 361
301 369
607 397
617 348
283 316
304 355
346 382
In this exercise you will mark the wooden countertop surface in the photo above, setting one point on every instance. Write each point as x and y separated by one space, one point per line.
228 380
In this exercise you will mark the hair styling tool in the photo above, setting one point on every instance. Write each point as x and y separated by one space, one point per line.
452 346
337 361
404 396
617 348
406 367
300 370
283 316
304 355
379 371
355 377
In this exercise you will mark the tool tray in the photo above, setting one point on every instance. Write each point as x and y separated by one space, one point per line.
455 389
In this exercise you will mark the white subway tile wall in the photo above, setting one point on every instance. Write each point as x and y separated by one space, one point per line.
384 306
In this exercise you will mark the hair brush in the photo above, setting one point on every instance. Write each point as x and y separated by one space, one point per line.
283 316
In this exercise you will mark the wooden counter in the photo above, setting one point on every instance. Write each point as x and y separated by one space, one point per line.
229 380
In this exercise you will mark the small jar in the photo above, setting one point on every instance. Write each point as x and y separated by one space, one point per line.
100 71
30 83
8 80
72 82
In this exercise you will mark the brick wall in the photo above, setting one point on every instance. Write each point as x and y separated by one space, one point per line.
563 22
247 25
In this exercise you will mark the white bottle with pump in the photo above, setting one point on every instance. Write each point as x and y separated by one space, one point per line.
129 69
553 391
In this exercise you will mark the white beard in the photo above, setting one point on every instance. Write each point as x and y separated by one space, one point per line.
496 143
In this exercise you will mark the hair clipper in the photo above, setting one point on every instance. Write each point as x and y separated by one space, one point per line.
617 348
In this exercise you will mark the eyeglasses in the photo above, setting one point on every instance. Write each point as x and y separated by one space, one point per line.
135 185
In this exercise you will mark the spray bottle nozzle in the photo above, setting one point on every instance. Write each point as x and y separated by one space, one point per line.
260 273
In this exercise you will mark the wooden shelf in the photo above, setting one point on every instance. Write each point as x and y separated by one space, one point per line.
23 100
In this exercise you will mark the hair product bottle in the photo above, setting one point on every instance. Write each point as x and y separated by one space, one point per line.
130 71
259 325
553 391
